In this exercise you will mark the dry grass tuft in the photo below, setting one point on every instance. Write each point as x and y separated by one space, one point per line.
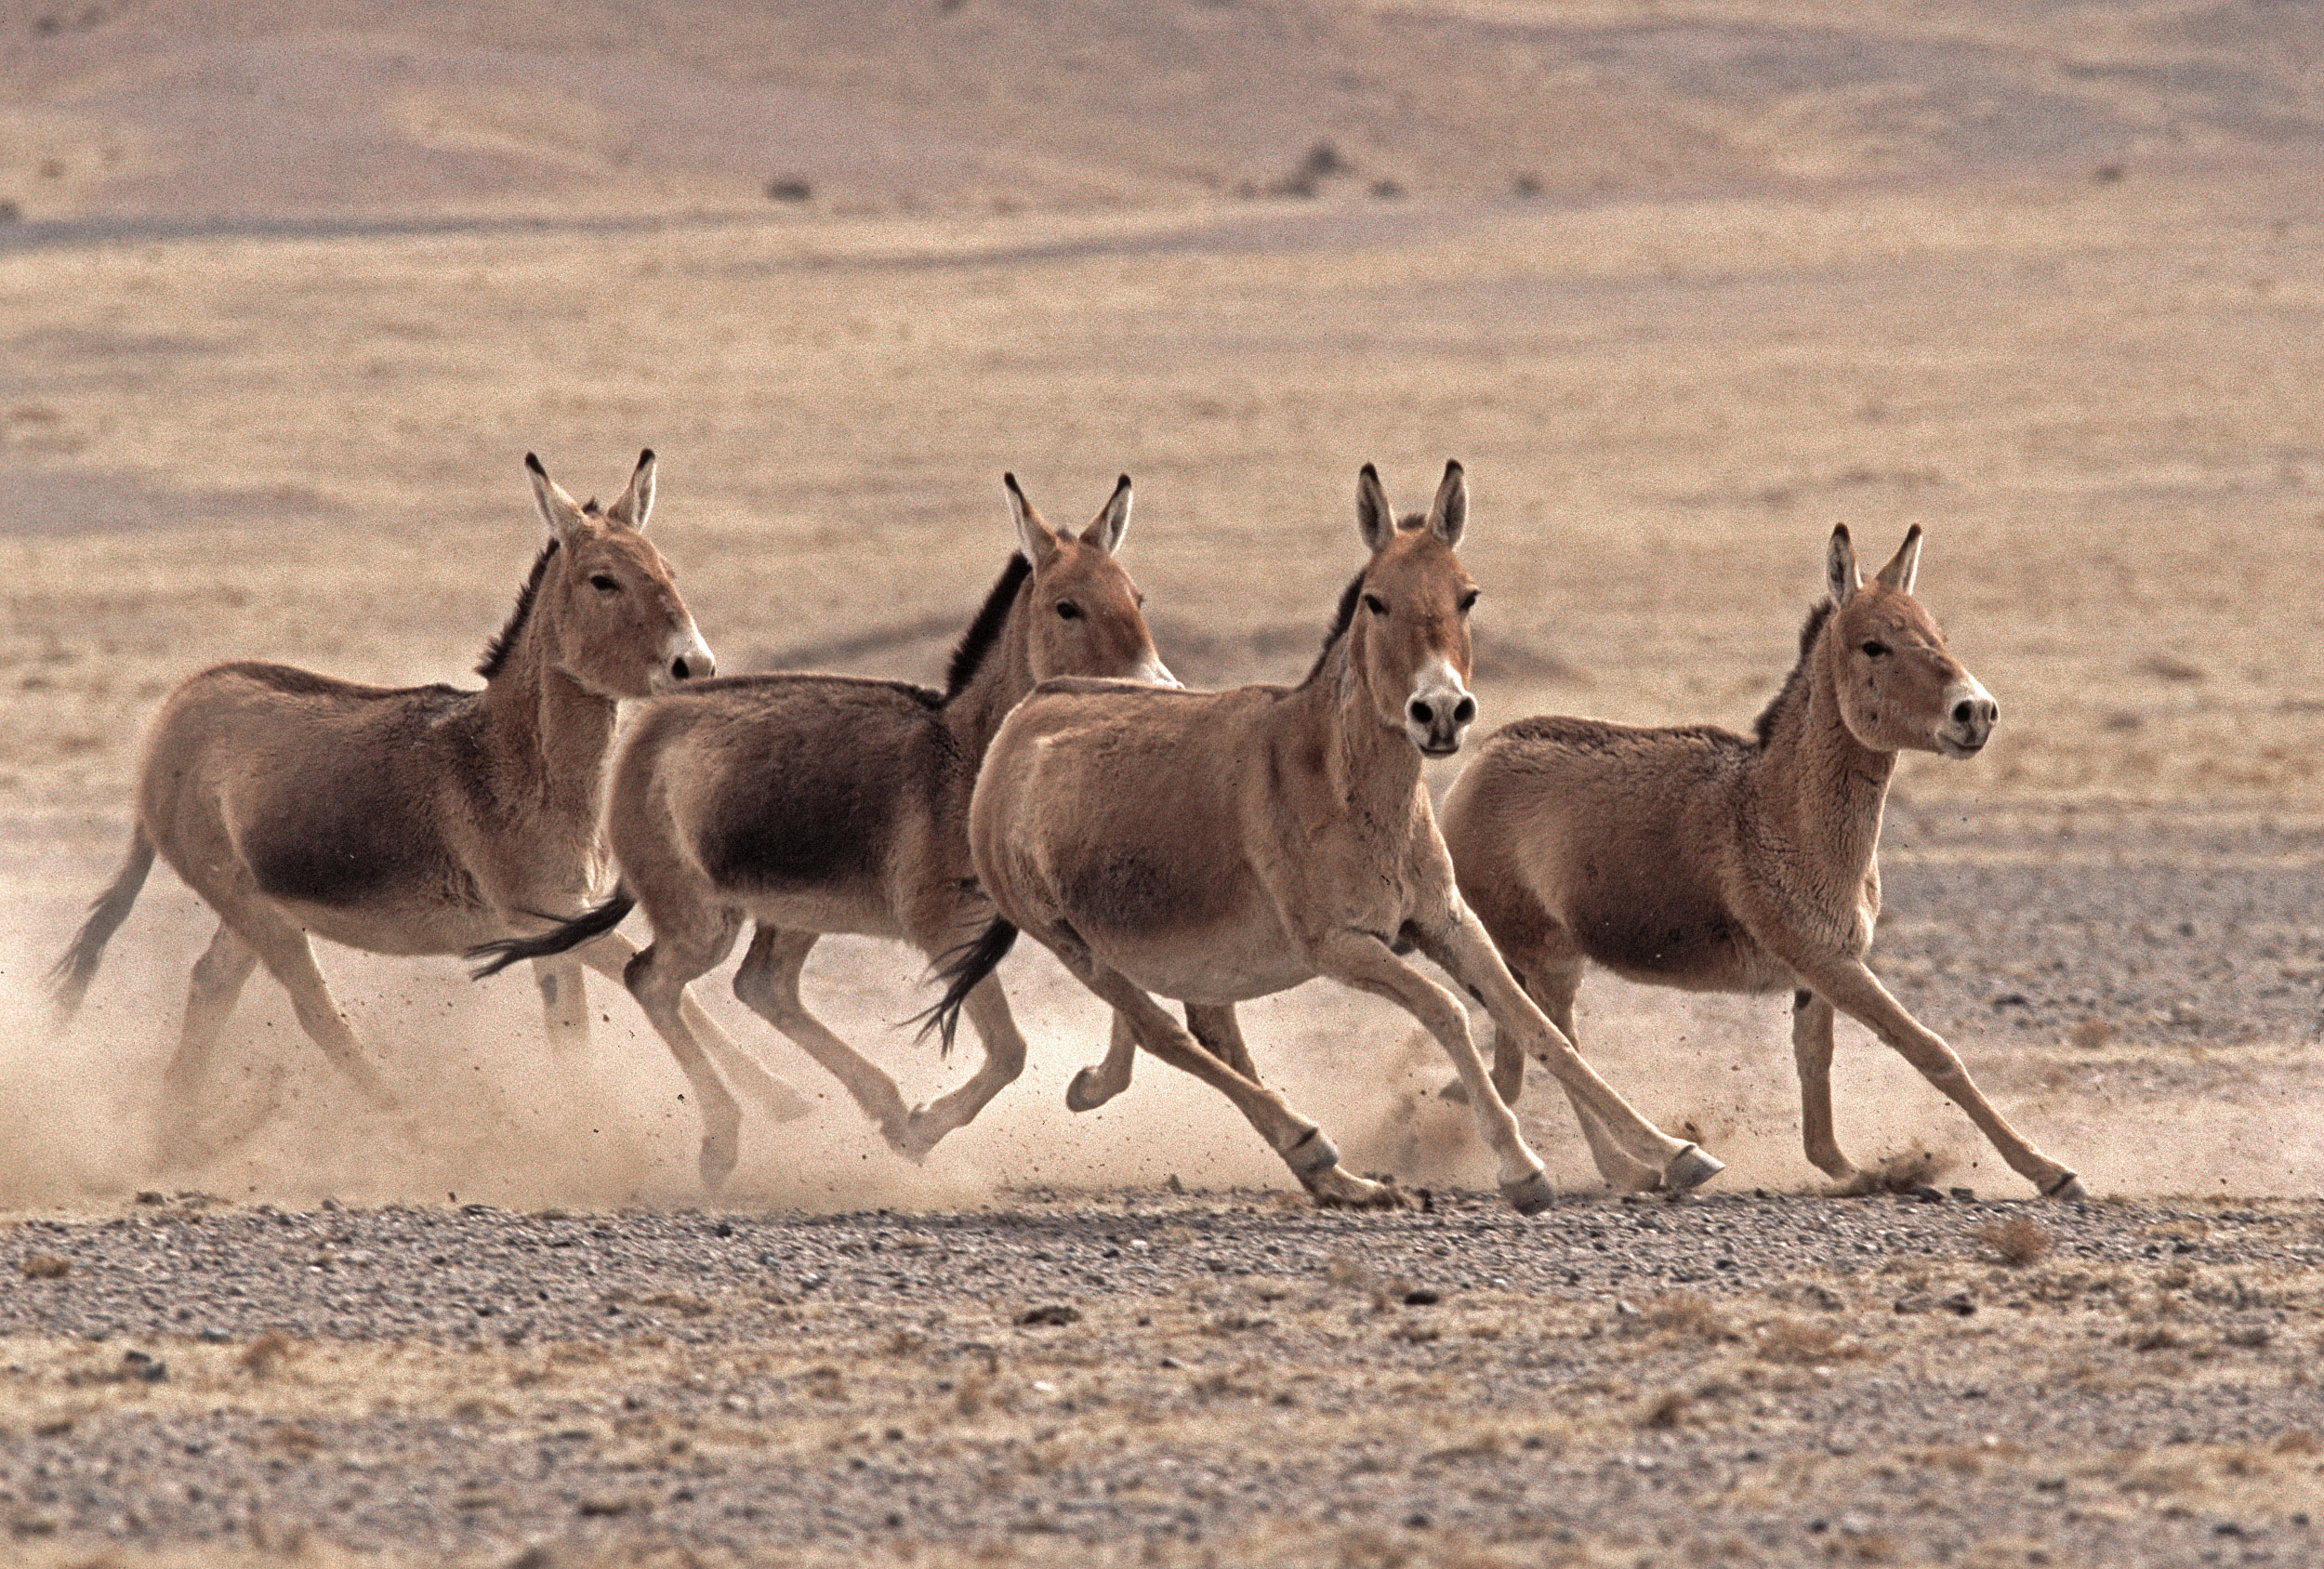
269 1351
45 1266
1667 1409
2017 1241
2298 1441
1684 1313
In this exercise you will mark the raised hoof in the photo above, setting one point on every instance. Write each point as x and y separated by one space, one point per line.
1455 1091
1312 1155
717 1161
1530 1195
2068 1189
1689 1169
1087 1092
914 1136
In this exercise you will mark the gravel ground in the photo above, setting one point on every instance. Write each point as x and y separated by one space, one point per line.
1173 1379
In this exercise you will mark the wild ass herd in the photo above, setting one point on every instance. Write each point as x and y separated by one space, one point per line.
1205 846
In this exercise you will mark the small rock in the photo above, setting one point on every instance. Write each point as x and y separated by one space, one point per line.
789 188
1964 1195
1054 1314
1925 1194
1421 1296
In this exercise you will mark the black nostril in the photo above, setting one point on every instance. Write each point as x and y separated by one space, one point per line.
1422 713
1964 711
678 668
1464 710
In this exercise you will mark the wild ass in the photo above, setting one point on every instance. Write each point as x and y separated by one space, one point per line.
414 820
1215 847
815 804
1694 857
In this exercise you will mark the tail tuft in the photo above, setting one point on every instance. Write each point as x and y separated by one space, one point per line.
506 950
69 979
960 969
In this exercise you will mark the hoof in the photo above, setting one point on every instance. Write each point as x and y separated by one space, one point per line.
1334 1189
1530 1195
1311 1155
1087 1092
912 1138
2068 1189
718 1162
1690 1169
1455 1091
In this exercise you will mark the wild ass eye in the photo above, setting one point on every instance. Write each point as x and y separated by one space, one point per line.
603 584
1875 648
1377 605
1068 610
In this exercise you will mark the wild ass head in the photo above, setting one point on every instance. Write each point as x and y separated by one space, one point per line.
1899 688
608 608
1410 632
1082 608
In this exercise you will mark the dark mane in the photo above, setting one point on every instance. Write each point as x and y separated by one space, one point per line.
496 652
1796 682
984 631
1339 622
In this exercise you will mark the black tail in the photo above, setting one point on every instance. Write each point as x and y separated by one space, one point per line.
72 976
556 940
960 969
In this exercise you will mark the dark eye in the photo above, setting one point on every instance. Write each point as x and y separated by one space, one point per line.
1875 649
1068 610
1468 601
1377 605
605 584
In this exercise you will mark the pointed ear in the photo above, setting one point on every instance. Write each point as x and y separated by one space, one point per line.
636 503
1906 565
1106 529
1839 567
1449 514
559 510
1375 519
1034 537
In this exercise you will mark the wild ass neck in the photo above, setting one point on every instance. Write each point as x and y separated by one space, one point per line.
1001 675
1821 789
548 734
1373 768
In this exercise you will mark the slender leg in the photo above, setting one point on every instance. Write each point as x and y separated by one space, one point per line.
1093 1087
1311 1158
564 1002
1856 992
1004 1060
611 954
218 981
1362 960
1811 1050
287 954
1554 990
768 984
1222 1037
657 978
1468 953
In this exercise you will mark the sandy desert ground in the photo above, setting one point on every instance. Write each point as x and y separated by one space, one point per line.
287 292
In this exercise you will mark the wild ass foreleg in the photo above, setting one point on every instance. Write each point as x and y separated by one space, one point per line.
1311 1158
1214 1026
610 955
987 1009
218 981
1362 960
1856 992
564 1001
283 949
1812 1050
1093 1087
1468 953
768 985
657 978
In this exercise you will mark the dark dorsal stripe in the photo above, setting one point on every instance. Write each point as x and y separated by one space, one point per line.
984 631
496 652
1795 684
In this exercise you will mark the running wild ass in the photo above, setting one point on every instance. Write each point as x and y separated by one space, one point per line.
1694 857
1215 847
815 804
413 820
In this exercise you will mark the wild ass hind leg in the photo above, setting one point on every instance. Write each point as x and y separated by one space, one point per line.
658 978
610 955
290 958
216 985
1312 1157
1623 1172
1812 1052
564 1002
1856 992
1467 953
1094 1085
768 985
996 1031
1362 960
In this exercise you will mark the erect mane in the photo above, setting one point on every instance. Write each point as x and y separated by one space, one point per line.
967 657
1795 684
1341 620
497 650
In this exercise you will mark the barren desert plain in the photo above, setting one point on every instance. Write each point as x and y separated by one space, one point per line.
288 291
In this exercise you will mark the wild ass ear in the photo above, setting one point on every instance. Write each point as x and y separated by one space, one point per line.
559 510
1449 514
636 503
1106 529
1839 567
1375 519
1906 565
1034 537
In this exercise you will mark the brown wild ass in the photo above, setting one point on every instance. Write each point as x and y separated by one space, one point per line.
1694 857
815 804
416 820
1215 847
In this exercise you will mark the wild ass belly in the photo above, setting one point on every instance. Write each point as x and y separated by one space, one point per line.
1194 933
1673 937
